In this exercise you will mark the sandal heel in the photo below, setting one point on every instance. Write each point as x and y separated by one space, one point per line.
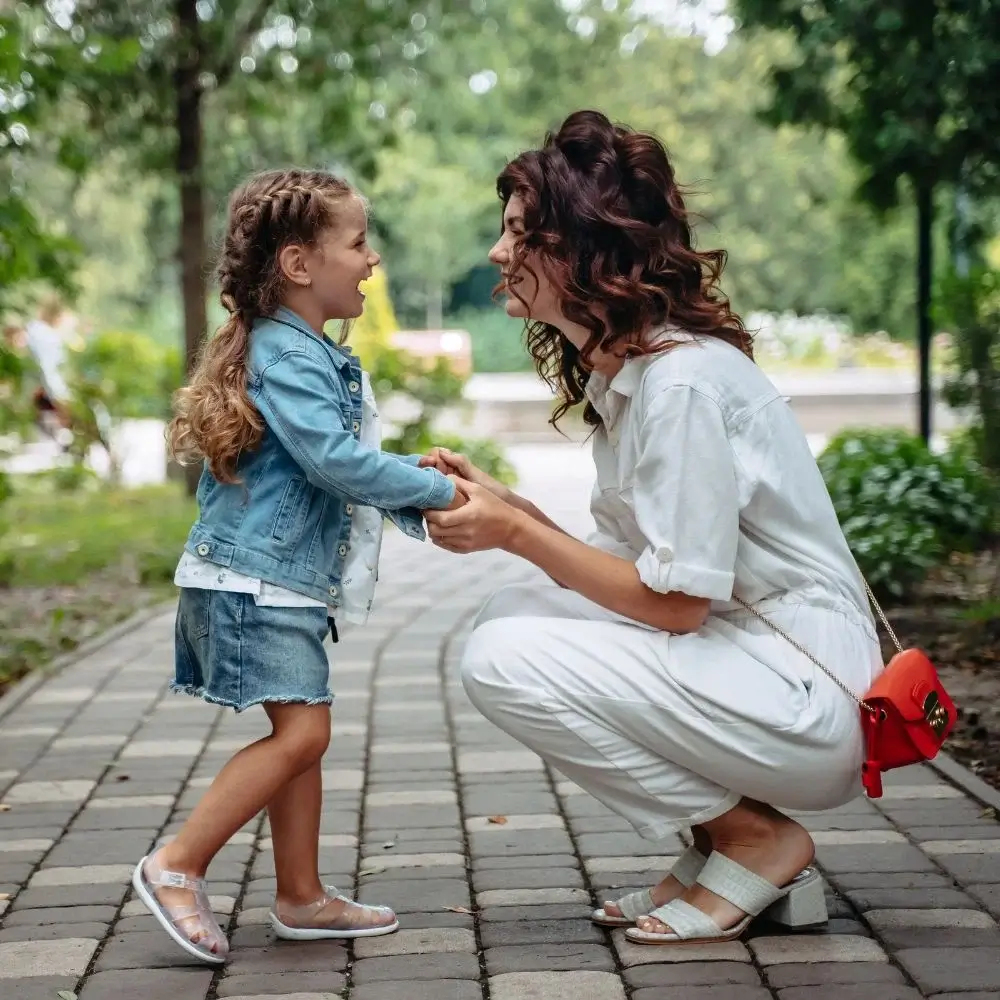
803 906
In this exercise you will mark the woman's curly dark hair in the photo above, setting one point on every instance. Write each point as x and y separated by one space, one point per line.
605 217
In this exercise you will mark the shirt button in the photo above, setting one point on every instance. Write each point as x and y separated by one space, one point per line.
202 549
349 509
356 426
354 387
342 550
333 591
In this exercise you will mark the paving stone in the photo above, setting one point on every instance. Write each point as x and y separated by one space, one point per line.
816 948
498 762
438 989
149 984
556 986
38 987
34 792
643 954
513 842
420 896
54 932
502 934
495 861
878 991
536 878
693 974
146 949
282 984
887 899
256 951
433 860
969 868
874 858
530 897
949 847
830 973
65 957
416 967
554 911
529 821
411 798
708 993
883 920
46 878
988 896
554 957
417 942
60 915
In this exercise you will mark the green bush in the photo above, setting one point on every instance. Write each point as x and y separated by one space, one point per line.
903 509
497 339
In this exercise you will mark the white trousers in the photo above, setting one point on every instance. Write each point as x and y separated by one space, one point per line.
671 731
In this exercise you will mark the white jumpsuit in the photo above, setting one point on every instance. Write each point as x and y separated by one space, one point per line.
706 482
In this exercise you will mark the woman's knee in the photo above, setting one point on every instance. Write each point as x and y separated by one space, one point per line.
498 667
510 601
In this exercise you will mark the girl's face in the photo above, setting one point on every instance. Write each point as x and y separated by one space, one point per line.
341 261
323 280
540 301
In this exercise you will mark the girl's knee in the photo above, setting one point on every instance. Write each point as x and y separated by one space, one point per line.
302 731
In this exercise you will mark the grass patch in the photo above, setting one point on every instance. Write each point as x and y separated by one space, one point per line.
82 561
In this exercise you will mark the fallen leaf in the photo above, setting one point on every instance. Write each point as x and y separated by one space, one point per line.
122 777
374 870
457 909
989 813
4 808
498 820
4 896
66 995
388 845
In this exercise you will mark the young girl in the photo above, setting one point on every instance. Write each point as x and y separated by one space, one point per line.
289 526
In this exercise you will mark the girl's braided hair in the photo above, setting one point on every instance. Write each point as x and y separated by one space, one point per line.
214 419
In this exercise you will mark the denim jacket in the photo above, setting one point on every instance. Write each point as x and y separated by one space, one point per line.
288 522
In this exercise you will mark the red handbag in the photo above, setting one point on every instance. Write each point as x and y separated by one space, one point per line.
905 716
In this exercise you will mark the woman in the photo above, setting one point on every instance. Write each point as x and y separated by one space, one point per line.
638 673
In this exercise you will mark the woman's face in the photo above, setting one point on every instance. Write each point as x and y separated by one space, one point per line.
536 297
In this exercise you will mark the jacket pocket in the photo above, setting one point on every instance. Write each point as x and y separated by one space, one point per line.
289 511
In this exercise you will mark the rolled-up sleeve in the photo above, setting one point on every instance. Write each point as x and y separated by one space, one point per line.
686 497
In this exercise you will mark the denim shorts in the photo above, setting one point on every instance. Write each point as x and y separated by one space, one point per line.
232 652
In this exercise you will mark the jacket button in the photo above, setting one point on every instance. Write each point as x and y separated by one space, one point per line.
202 549
342 550
354 387
333 591
356 426
349 509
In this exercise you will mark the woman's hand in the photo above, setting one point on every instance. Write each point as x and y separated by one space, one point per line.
451 463
483 522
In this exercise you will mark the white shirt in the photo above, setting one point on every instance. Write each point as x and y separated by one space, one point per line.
706 481
48 347
360 570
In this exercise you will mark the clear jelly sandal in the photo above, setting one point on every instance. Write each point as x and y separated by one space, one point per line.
316 922
193 925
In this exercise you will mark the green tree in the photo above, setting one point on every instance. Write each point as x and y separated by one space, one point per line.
911 84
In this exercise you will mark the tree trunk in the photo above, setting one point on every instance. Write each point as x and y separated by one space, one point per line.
434 318
189 175
925 222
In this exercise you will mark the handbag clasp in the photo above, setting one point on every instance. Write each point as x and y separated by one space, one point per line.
935 713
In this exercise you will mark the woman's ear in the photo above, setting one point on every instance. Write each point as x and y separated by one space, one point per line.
293 266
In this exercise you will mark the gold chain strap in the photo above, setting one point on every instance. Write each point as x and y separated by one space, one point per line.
805 652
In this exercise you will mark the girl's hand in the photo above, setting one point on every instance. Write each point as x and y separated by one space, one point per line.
483 522
451 463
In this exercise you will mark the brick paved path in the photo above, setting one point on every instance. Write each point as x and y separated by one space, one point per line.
100 761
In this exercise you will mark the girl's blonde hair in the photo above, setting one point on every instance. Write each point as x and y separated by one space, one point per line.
214 419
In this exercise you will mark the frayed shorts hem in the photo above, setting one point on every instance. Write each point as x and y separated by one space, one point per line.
207 696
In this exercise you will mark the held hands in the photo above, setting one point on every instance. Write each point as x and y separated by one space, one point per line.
451 463
481 521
